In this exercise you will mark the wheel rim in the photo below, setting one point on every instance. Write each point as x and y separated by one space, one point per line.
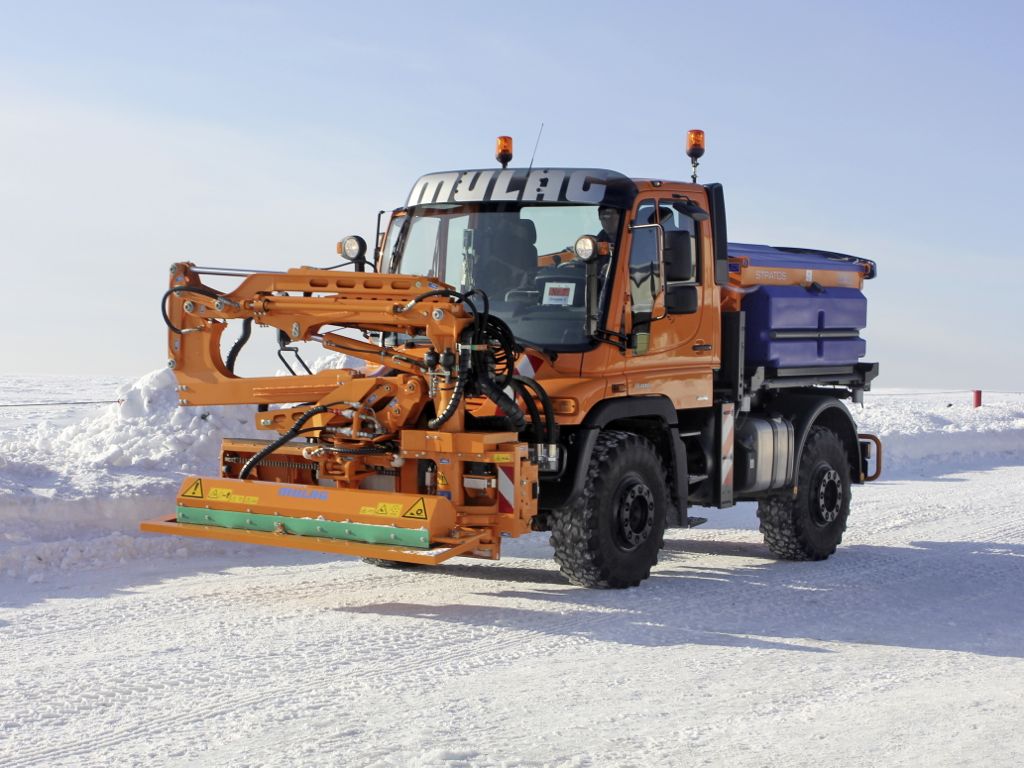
828 497
634 515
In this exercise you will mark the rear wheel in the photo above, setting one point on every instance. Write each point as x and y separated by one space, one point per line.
810 525
609 536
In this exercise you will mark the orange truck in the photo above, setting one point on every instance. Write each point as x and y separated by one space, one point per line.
560 349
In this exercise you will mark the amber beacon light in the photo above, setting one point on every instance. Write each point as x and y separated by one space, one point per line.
695 149
695 144
503 150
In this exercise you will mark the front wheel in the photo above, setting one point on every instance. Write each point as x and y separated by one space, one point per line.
810 525
609 536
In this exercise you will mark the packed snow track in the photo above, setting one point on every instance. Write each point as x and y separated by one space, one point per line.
906 648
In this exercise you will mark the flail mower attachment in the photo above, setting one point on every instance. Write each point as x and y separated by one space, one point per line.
405 527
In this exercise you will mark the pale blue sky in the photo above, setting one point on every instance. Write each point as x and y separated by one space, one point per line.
256 134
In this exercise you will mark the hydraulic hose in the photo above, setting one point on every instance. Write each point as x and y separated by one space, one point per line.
456 398
545 400
256 458
481 324
523 392
438 292
463 297
202 290
237 346
503 346
512 410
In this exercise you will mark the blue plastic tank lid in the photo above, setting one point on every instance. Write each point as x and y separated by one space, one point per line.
801 258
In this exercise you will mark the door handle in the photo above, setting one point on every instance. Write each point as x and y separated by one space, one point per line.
700 346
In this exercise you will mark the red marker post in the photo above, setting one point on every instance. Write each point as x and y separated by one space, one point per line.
977 398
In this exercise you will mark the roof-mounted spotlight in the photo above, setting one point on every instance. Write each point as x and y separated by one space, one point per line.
353 249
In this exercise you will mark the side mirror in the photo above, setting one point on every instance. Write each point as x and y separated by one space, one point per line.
691 209
681 299
679 257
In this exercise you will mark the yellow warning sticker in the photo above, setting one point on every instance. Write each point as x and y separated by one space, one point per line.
418 511
441 479
501 458
194 491
383 508
226 494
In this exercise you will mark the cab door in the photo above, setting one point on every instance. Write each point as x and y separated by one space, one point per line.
673 300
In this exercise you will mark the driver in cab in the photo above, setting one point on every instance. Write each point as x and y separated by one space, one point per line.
609 218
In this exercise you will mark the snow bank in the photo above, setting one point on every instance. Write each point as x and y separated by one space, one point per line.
927 435
73 495
141 445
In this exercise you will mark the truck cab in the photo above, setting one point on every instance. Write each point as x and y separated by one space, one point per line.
640 311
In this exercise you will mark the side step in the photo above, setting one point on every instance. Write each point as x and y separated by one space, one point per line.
441 549
693 522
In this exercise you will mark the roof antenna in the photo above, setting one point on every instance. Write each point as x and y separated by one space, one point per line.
536 144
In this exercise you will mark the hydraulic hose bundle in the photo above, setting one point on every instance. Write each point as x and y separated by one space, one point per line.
490 329
456 398
488 336
551 426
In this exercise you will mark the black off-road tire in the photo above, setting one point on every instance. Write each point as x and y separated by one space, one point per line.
810 525
609 535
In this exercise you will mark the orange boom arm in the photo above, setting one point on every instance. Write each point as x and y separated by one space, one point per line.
377 465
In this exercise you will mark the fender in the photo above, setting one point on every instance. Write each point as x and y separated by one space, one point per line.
653 417
808 410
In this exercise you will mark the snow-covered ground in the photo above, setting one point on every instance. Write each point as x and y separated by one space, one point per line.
117 648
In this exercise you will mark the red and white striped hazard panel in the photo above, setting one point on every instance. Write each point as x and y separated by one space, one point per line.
528 364
506 489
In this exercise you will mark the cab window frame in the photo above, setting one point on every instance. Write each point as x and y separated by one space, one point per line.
682 218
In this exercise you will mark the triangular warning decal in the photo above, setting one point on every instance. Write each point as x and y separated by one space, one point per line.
418 511
194 491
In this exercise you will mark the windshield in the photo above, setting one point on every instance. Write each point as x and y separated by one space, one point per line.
520 255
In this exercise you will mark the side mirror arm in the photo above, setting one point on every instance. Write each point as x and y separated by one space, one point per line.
592 297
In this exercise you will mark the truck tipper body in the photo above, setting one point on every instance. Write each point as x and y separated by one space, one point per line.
526 370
